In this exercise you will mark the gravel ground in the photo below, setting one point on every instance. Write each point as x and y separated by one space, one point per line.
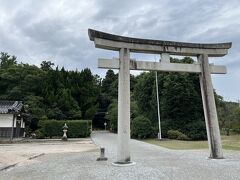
152 162
11 154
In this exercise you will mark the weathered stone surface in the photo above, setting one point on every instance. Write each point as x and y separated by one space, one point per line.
210 111
123 153
115 42
159 66
155 49
102 35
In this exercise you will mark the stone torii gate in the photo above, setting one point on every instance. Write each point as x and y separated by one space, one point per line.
125 45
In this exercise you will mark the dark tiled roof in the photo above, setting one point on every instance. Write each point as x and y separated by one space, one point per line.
10 106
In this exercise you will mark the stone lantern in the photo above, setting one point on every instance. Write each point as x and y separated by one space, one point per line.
65 129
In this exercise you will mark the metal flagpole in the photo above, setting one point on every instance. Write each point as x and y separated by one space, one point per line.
158 108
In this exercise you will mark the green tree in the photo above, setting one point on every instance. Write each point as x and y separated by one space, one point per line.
46 65
7 60
180 100
112 115
141 127
53 94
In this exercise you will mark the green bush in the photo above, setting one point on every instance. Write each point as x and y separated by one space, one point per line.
236 130
80 128
141 127
76 128
39 134
175 134
196 130
183 137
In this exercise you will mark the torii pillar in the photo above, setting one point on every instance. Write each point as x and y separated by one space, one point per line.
123 150
125 45
210 111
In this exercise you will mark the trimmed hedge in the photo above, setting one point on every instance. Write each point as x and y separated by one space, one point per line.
76 128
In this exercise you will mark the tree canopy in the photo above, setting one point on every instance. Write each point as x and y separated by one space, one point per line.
50 93
55 93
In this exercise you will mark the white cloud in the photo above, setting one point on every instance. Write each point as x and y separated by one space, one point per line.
57 30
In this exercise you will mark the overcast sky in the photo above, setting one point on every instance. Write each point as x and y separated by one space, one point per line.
56 30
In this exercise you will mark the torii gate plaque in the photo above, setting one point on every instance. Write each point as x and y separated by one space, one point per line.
125 45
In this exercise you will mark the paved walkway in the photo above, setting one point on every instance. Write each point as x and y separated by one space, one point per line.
152 162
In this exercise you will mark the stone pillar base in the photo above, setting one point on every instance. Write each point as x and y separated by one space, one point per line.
215 158
64 138
120 164
102 159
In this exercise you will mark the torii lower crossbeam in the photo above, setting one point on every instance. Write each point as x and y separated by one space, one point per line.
159 66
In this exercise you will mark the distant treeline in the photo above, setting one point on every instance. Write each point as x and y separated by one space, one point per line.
55 93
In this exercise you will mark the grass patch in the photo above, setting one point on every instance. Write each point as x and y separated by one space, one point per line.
177 144
229 142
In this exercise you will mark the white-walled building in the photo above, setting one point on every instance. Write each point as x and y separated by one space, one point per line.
11 120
